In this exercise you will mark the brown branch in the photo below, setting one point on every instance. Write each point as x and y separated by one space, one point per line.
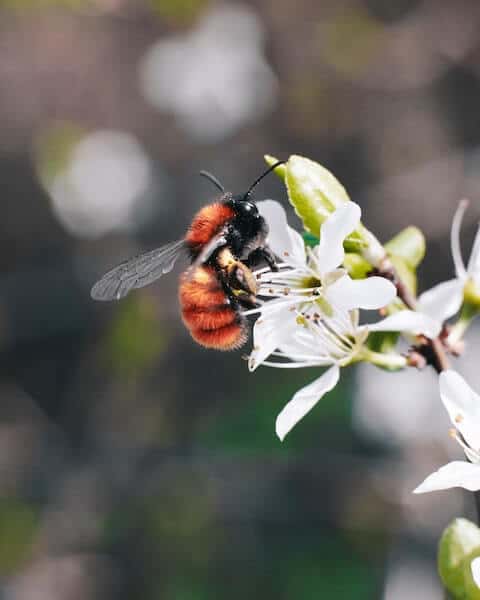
440 362
436 355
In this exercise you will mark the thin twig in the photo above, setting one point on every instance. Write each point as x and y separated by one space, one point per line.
439 358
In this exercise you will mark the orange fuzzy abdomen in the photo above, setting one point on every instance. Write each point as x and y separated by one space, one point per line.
207 223
207 314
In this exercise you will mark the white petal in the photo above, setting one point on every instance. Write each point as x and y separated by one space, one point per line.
408 321
374 292
333 231
304 341
268 333
285 242
475 568
455 474
304 400
474 261
443 300
455 240
463 406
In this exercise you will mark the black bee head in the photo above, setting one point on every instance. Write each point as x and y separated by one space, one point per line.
244 207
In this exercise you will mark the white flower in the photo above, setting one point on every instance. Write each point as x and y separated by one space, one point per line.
475 568
463 407
308 275
313 318
444 300
309 338
295 339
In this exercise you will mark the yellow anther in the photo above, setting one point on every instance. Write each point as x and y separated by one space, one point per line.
452 432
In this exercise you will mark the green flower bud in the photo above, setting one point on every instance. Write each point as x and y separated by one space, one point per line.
357 267
471 588
458 545
280 170
315 193
409 245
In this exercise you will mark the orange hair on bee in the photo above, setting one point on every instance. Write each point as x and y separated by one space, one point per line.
209 319
230 337
207 314
207 223
201 290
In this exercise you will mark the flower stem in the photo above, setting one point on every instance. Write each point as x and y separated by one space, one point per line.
373 251
391 361
439 358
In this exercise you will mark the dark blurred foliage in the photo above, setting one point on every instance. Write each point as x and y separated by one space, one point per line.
133 463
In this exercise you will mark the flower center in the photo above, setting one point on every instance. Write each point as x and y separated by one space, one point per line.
331 334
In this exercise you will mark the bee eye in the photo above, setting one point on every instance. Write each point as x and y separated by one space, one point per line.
249 208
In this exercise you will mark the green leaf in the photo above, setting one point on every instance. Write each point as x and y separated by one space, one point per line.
313 191
409 245
458 545
309 239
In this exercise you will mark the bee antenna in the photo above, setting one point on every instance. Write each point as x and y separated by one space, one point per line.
213 179
257 181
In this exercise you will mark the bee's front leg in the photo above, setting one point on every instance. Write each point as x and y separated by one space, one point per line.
247 301
262 253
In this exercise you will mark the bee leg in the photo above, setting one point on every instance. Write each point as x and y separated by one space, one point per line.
247 301
269 257
242 280
262 253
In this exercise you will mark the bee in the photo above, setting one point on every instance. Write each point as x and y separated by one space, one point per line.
225 239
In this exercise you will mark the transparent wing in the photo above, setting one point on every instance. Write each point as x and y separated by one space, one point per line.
137 272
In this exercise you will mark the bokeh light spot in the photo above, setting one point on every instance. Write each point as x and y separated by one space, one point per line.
214 79
97 182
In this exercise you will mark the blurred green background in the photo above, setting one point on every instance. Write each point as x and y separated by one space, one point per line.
133 463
